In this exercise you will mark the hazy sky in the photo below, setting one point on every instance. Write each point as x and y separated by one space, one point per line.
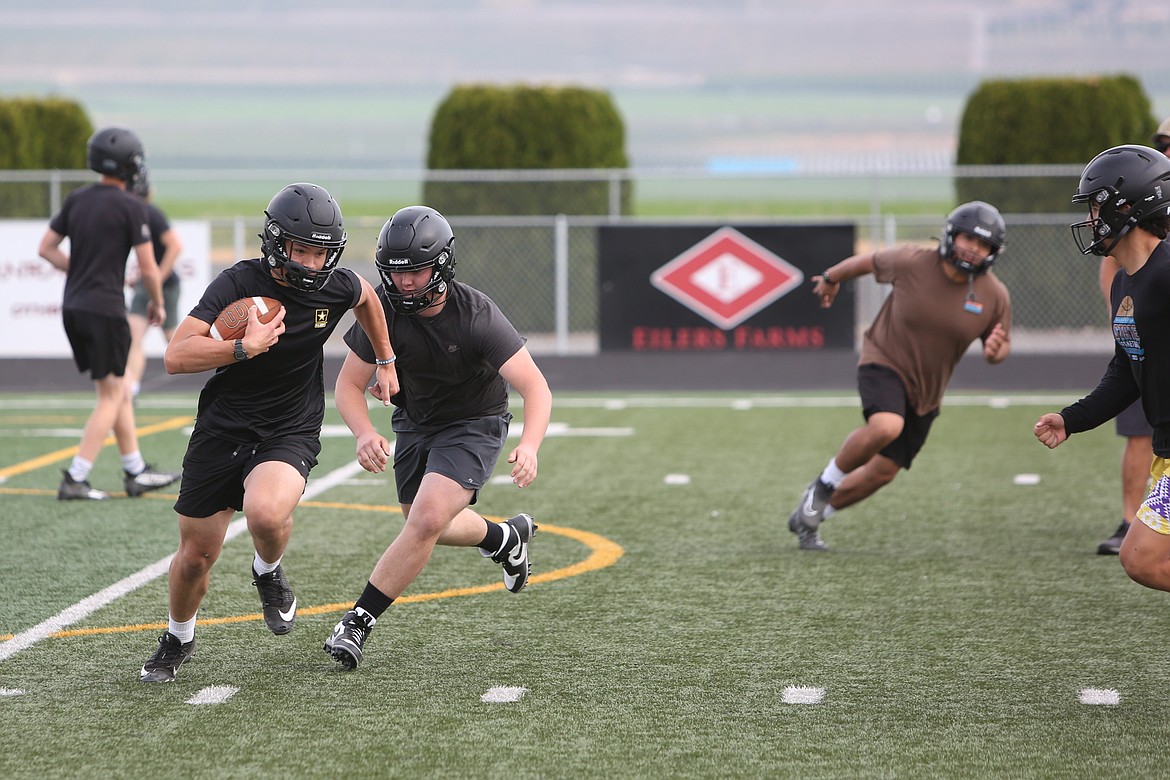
259 79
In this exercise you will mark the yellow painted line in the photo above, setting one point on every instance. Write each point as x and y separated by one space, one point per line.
604 552
60 455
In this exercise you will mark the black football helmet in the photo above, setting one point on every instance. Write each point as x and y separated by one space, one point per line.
117 152
415 238
306 213
978 219
1128 184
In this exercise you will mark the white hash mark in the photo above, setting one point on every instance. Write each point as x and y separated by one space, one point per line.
11 692
1106 696
802 694
677 479
214 694
502 694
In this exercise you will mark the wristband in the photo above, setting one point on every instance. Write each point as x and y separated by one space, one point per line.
825 278
385 362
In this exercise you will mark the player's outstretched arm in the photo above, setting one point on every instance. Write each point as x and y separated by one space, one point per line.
1050 430
372 317
521 372
349 393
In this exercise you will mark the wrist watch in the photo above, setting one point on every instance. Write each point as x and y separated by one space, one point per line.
240 353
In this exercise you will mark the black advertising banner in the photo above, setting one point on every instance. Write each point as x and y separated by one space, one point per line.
704 288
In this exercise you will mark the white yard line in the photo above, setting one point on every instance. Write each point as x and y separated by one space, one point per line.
91 604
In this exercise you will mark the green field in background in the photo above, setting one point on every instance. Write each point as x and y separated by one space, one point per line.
951 626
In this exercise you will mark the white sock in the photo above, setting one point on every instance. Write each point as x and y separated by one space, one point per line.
262 566
832 475
185 631
79 469
133 463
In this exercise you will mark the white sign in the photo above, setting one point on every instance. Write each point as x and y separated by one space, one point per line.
31 290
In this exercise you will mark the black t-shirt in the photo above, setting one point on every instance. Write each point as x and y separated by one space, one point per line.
103 223
1141 360
158 226
280 392
449 364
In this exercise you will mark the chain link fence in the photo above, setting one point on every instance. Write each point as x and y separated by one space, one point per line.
542 270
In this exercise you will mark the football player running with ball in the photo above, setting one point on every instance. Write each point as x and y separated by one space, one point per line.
1127 192
258 428
458 355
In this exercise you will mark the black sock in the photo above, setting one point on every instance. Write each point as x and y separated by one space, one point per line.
494 538
373 601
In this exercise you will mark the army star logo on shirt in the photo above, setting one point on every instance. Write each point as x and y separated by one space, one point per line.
321 320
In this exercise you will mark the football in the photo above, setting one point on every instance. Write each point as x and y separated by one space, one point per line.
233 320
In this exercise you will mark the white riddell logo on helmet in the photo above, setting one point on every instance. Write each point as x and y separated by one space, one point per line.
397 261
982 231
324 236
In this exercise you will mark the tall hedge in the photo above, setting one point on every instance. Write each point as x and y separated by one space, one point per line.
483 127
1046 121
39 134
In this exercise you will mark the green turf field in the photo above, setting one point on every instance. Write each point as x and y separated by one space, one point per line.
672 628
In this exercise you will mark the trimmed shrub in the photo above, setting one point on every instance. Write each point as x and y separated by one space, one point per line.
39 134
487 127
1047 121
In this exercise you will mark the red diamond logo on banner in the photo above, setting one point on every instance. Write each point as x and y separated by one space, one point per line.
726 278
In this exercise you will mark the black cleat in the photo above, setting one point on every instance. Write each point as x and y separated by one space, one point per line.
170 655
71 490
277 600
806 519
348 637
150 479
1112 545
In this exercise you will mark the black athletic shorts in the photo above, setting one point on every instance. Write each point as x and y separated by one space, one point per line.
1132 421
465 451
100 343
214 469
881 390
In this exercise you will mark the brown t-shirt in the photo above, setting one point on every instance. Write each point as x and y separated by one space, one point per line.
925 325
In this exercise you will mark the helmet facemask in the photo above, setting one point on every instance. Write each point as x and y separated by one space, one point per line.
1098 235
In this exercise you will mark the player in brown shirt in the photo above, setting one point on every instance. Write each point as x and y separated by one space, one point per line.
942 300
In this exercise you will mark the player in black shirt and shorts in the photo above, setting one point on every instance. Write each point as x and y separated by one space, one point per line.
458 355
103 223
1127 192
258 427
